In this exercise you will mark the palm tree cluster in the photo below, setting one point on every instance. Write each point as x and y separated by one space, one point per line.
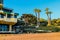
37 12
48 13
31 19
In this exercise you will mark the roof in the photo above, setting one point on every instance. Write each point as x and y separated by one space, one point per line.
7 9
16 13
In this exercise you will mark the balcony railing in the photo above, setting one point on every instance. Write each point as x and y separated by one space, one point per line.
2 19
11 19
1 11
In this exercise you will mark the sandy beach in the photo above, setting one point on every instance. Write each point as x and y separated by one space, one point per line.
36 36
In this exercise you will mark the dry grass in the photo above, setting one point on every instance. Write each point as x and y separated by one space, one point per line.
40 36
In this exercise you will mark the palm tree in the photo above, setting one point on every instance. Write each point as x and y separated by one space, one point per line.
37 12
49 16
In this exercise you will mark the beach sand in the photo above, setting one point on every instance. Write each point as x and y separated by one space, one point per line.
36 36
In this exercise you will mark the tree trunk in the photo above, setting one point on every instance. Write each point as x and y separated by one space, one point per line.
38 19
49 21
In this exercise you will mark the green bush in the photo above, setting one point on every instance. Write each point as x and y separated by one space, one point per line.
52 28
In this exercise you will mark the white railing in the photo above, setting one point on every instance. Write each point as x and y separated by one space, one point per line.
1 18
15 20
9 20
1 11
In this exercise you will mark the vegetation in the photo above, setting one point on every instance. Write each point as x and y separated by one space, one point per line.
29 18
37 12
51 28
49 16
47 25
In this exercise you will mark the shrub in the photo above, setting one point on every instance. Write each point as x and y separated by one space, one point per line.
51 28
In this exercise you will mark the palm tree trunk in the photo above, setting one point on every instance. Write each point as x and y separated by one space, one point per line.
50 15
38 18
49 21
36 14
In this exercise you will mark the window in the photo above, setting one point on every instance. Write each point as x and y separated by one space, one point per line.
0 9
0 28
4 28
8 16
1 16
12 16
15 16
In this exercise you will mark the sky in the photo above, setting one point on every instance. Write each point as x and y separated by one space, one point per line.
28 6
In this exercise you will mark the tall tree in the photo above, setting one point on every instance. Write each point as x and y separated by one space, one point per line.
29 18
37 12
49 16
